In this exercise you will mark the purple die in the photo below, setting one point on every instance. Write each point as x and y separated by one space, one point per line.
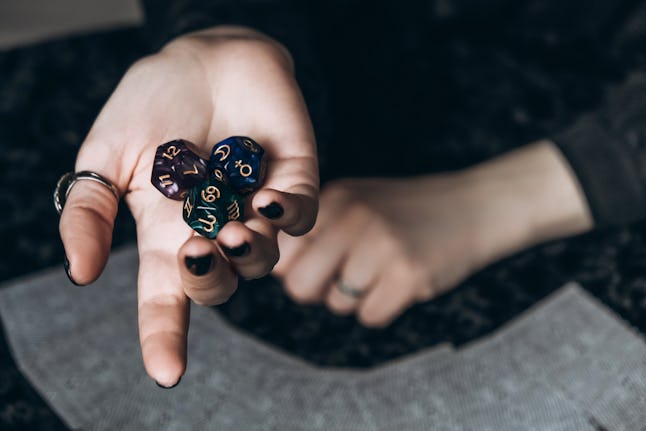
241 160
176 169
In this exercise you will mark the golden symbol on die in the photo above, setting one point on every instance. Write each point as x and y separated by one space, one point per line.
165 179
250 146
223 151
193 171
245 169
210 222
189 180
218 174
188 207
212 193
234 211
171 152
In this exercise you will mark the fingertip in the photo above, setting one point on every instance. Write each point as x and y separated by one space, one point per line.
372 321
86 227
298 292
294 213
194 247
168 387
207 278
273 211
165 358
370 313
251 247
234 235
85 257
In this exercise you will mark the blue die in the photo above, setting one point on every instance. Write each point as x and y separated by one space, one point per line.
240 158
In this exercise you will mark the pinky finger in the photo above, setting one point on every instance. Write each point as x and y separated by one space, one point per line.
390 297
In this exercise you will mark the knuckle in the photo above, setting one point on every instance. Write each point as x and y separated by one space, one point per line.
162 301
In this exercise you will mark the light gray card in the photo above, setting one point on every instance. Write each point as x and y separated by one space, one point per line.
566 364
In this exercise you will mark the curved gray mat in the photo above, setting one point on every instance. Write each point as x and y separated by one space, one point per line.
566 364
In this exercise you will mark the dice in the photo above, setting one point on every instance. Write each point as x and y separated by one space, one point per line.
212 191
176 169
241 159
210 205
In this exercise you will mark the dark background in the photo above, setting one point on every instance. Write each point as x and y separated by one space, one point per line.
449 83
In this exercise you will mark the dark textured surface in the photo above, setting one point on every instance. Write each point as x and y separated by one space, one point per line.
460 81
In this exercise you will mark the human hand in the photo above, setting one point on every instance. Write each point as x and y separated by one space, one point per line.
203 88
394 242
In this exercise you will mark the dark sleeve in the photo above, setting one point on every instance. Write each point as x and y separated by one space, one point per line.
607 151
283 20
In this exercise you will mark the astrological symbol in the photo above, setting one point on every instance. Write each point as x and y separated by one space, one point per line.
188 207
210 194
218 174
245 169
250 146
210 223
234 211
223 151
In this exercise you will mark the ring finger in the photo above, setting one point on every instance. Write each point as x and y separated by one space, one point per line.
311 272
359 273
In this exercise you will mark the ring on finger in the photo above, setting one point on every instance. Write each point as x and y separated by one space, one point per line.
67 181
349 290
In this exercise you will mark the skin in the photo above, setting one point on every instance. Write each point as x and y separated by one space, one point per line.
399 241
202 87
408 240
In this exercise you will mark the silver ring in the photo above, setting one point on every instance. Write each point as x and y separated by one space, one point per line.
67 181
346 289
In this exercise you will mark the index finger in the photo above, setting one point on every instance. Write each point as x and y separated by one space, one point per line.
163 317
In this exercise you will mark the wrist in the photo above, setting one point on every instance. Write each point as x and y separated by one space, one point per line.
528 196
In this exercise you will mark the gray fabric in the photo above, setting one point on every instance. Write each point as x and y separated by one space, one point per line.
566 364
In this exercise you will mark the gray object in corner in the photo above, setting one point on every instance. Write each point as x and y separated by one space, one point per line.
568 363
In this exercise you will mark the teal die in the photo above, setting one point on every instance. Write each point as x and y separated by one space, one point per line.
210 205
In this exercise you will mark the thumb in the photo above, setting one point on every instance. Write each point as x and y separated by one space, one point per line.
86 226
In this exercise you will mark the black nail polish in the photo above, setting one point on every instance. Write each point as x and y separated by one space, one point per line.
168 387
66 264
239 251
272 211
199 265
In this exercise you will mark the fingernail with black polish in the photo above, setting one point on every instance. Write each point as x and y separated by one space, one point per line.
199 265
168 387
239 251
272 211
66 264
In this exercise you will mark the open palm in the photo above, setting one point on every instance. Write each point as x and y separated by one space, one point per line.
203 88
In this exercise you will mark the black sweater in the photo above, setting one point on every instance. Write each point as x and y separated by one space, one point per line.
465 74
